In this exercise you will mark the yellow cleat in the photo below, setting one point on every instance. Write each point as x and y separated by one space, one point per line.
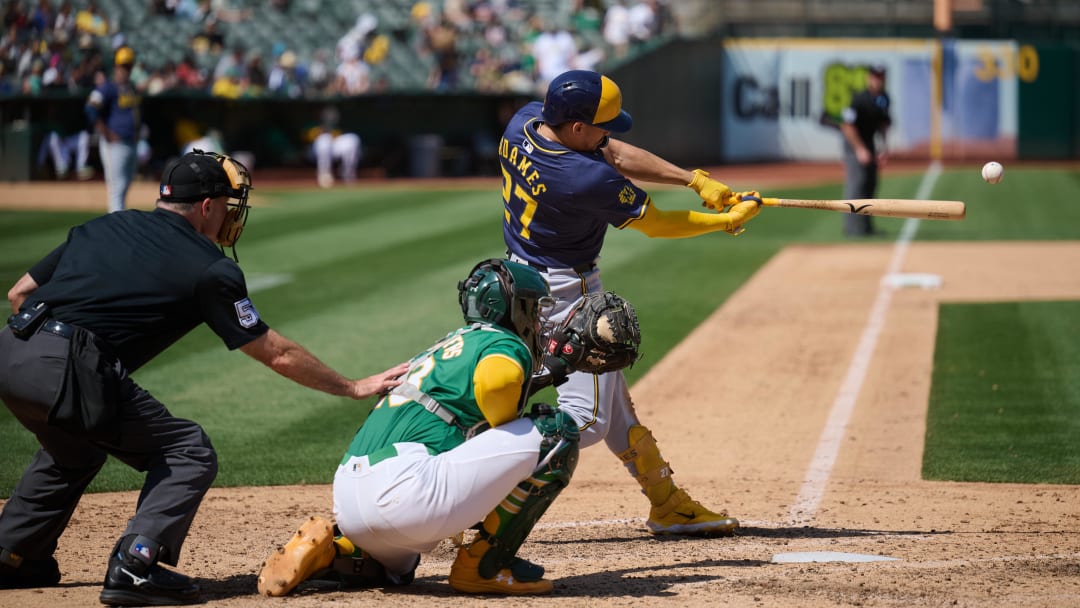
310 550
465 577
681 514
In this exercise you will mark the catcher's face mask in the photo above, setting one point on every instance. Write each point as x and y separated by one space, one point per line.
236 216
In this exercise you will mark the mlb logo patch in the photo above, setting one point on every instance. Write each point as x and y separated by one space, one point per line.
166 190
142 550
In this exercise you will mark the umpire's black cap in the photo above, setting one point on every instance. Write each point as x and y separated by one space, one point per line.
194 177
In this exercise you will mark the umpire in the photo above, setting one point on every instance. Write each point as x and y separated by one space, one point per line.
863 120
119 291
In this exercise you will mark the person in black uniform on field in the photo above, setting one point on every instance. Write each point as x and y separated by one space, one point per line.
863 120
119 291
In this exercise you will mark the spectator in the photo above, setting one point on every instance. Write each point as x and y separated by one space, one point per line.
162 79
233 59
15 17
284 79
353 75
319 74
555 52
586 17
209 40
166 8
197 11
232 85
91 21
643 23
440 44
64 22
43 16
31 83
256 73
188 75
84 74
617 28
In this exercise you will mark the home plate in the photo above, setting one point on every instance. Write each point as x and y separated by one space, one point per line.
912 279
828 556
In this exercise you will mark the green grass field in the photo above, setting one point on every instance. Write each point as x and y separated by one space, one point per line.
367 277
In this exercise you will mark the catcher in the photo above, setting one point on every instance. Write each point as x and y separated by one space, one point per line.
453 445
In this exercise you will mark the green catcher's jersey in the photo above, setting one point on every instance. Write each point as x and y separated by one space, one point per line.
444 372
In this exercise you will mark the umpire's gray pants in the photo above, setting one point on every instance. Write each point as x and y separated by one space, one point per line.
179 461
860 181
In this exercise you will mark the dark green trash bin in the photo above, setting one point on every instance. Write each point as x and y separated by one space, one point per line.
15 152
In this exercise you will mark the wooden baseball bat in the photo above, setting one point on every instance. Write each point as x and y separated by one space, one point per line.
885 207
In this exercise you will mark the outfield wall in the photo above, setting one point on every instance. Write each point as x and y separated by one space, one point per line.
772 99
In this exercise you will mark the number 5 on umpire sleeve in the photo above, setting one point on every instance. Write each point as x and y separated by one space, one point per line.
520 193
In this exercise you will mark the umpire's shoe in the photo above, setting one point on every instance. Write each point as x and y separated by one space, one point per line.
136 579
681 514
522 578
17 572
309 551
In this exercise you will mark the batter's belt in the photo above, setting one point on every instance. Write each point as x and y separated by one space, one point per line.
580 268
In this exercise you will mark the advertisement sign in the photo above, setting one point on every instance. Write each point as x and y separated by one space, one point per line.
783 97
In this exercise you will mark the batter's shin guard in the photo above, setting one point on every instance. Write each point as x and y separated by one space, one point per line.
673 510
490 564
645 463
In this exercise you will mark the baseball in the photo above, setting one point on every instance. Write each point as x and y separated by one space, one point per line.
992 172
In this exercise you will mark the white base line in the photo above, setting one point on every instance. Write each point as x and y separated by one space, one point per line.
805 506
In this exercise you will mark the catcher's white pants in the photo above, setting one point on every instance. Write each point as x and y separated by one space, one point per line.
599 404
403 506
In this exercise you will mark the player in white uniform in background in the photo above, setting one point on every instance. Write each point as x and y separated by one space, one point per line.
332 146
448 450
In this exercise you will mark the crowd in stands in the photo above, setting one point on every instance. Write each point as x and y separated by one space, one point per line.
458 45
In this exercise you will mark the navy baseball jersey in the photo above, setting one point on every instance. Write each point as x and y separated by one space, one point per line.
558 202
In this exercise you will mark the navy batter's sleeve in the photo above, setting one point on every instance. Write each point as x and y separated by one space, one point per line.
226 307
612 198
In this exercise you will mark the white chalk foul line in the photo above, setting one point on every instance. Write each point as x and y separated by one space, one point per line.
805 506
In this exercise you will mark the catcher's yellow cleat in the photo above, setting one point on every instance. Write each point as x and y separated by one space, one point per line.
465 577
681 514
310 550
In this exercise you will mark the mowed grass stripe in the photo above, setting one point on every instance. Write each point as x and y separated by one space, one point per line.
1005 402
375 275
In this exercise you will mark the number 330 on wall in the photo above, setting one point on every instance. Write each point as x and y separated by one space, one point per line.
1024 63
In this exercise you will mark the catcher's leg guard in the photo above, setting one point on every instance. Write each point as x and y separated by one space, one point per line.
673 511
489 563
310 550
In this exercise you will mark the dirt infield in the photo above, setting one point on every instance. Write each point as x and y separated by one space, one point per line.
739 409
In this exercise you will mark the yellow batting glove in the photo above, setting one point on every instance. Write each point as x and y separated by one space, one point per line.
714 194
745 207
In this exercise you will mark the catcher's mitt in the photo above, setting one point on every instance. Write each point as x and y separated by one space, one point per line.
599 335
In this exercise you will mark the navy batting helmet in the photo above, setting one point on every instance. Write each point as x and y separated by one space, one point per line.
588 97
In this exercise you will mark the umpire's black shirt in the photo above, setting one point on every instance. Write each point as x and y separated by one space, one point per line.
141 281
871 115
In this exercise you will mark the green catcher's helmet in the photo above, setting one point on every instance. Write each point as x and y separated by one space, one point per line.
510 295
